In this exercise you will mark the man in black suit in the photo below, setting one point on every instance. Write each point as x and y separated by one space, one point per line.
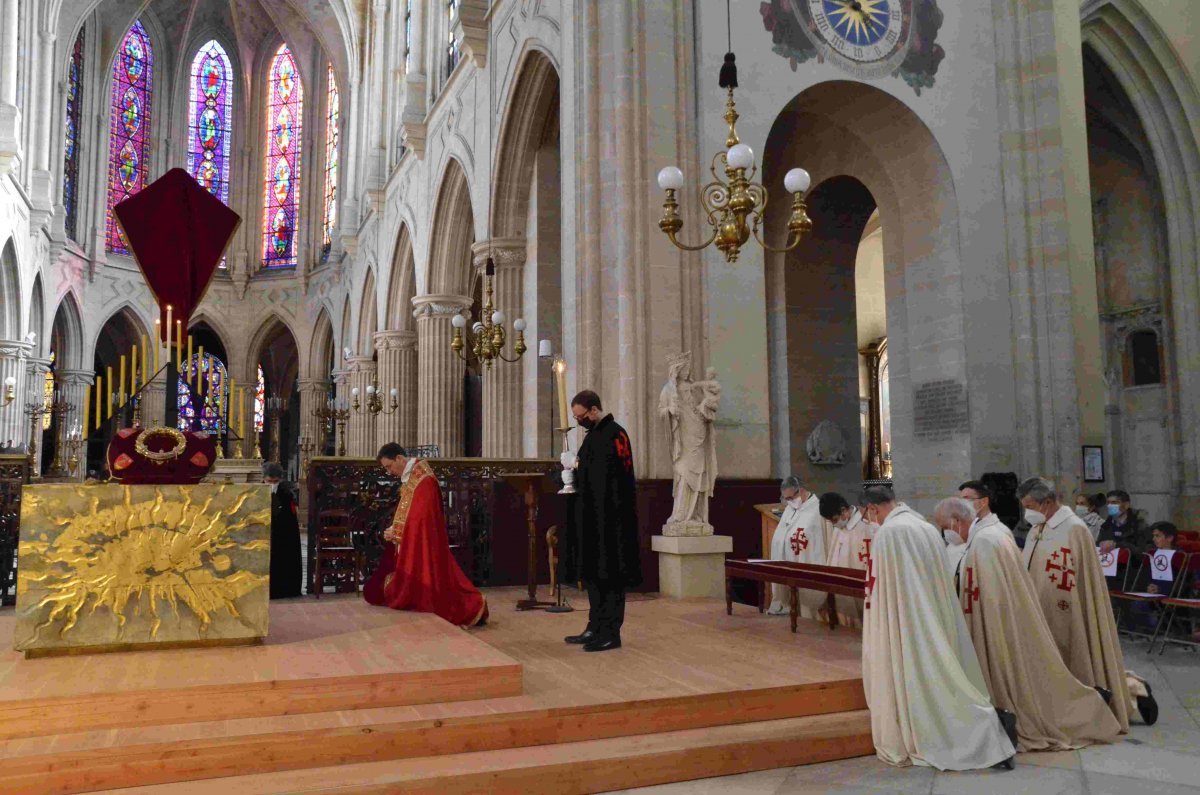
600 545
286 574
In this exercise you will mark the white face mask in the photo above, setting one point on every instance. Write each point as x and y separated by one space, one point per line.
1081 510
952 538
841 524
1035 517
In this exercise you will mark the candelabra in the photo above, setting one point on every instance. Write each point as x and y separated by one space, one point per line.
307 448
335 412
732 202
374 404
275 407
37 410
486 338
74 445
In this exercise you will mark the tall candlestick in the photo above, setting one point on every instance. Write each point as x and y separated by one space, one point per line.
133 372
99 394
242 416
231 414
87 404
145 360
560 379
188 367
179 343
170 325
109 396
157 343
199 368
121 383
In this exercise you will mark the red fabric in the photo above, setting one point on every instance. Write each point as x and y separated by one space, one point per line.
177 232
129 467
426 578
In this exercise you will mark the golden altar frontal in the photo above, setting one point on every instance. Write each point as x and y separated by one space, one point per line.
112 567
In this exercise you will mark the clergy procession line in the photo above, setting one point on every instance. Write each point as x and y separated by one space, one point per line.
973 648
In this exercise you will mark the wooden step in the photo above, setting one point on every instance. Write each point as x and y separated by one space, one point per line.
568 768
337 656
195 756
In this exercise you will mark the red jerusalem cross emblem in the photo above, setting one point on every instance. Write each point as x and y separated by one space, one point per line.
864 554
972 591
870 585
799 541
1061 573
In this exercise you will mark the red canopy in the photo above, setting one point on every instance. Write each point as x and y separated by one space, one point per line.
177 232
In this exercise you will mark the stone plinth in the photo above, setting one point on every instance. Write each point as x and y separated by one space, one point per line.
235 470
692 565
687 529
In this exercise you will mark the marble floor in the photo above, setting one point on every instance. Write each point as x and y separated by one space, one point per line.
1163 759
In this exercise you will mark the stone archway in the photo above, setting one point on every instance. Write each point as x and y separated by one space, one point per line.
866 149
396 347
274 350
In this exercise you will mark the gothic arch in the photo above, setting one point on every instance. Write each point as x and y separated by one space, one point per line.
450 268
67 334
402 285
841 129
10 293
321 346
37 318
531 111
368 315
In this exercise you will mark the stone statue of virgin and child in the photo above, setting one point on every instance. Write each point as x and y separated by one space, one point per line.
690 407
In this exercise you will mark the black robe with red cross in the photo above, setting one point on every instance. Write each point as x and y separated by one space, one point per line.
600 543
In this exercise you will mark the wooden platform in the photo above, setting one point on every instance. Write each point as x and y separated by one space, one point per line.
694 693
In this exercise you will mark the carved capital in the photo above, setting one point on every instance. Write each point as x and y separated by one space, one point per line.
360 364
428 306
471 28
506 252
75 377
36 365
13 349
312 386
395 340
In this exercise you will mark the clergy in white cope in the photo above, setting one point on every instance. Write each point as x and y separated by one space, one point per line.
979 496
1061 559
1021 664
800 538
849 548
928 699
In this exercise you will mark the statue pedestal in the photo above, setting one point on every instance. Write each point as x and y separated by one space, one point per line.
692 565
235 470
687 529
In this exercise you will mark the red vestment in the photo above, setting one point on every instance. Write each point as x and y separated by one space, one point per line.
417 571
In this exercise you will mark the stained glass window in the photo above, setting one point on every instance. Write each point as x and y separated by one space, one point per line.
210 120
452 43
281 191
71 149
129 128
203 394
260 401
332 137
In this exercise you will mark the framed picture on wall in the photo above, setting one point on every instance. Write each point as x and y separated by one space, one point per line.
1093 464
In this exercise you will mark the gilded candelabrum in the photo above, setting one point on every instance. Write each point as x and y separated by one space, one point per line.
374 403
734 205
74 444
335 412
307 448
486 338
37 410
275 406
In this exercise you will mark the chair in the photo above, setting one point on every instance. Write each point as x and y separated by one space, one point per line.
1192 536
1187 603
1166 591
336 556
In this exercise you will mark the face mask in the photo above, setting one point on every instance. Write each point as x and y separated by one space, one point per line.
1081 510
587 423
840 524
952 538
795 502
1035 517
1114 510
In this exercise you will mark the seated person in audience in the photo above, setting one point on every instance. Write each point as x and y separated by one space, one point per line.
1124 528
1091 508
1145 614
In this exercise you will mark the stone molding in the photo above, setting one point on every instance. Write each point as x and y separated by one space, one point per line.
395 340
506 252
439 305
471 27
360 364
75 377
12 349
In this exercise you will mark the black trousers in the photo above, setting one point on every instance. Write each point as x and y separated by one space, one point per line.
606 610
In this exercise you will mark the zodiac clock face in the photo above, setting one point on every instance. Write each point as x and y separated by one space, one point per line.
867 38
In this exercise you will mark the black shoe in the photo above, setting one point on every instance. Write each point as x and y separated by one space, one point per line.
1148 707
602 645
1104 694
1007 764
587 636
1009 722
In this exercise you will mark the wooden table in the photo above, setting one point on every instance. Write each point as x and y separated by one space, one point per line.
833 580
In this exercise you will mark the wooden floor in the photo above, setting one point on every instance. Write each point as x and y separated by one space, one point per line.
688 677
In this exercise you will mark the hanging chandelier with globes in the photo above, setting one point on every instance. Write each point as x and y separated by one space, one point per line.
734 206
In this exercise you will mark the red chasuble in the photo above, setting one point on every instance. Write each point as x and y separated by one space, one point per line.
417 571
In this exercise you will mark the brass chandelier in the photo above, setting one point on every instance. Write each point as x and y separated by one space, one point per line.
734 205
487 337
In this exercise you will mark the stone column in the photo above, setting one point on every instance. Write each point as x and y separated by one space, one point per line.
397 368
440 374
73 386
313 394
44 137
10 116
13 427
361 427
341 388
502 384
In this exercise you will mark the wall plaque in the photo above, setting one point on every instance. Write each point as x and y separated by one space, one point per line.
940 410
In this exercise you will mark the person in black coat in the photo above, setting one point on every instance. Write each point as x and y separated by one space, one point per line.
600 544
286 574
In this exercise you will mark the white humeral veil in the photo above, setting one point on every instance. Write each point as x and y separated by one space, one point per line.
926 692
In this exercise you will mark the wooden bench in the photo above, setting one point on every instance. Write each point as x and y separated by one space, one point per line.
832 580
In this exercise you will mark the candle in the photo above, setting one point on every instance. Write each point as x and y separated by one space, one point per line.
87 404
99 402
133 373
108 402
145 360
157 343
169 326
188 368
199 368
242 415
121 383
560 378
179 343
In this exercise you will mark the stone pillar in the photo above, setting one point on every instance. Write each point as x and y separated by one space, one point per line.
440 374
313 394
13 428
360 429
42 186
73 386
397 369
341 387
502 384
10 116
